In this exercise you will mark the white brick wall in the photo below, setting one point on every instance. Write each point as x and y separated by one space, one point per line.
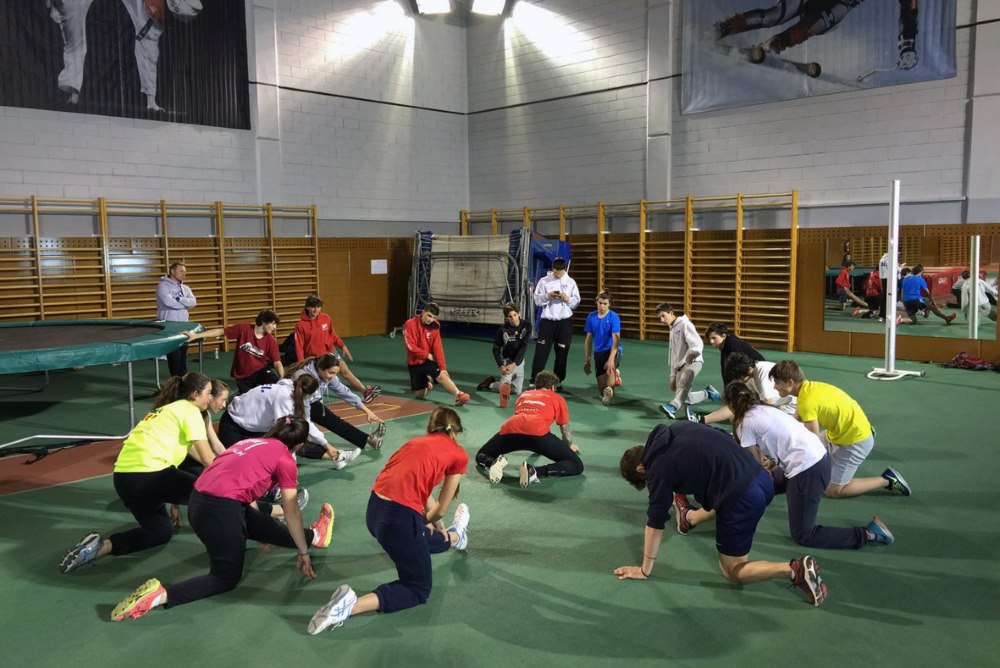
429 118
574 139
55 154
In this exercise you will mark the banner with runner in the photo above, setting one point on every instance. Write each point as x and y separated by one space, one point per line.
742 52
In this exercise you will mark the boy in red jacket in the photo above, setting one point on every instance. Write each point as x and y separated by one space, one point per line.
425 355
315 336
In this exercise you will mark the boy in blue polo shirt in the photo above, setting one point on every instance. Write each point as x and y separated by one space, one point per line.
604 334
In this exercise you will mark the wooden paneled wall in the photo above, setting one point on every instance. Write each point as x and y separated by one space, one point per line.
358 301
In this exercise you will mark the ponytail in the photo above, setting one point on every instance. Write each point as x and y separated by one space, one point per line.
304 387
180 387
740 398
444 420
323 362
292 431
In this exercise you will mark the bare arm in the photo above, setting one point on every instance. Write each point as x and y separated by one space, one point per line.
650 551
202 451
811 425
213 439
567 435
435 510
293 519
719 415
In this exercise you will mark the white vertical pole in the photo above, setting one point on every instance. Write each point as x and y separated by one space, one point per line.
889 308
973 305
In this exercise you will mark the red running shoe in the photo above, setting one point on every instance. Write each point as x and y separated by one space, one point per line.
504 395
462 398
681 509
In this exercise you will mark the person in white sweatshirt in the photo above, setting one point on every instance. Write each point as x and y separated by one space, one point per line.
685 364
252 414
557 295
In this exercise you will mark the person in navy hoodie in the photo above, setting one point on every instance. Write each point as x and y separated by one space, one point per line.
689 458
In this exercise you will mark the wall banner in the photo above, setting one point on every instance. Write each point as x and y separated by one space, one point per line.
183 61
742 52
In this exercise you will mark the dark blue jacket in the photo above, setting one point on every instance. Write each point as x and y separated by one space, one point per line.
696 460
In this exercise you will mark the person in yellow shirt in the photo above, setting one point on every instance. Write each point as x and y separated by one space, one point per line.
146 476
842 425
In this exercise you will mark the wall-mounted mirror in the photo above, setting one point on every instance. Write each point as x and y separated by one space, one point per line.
933 301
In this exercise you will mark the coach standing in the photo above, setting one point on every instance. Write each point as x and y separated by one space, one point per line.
173 299
557 295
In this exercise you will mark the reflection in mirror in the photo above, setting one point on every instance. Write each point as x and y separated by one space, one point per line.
931 299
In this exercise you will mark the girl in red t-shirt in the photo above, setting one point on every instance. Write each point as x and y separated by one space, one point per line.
406 521
221 514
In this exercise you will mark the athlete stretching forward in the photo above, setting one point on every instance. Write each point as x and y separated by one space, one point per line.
817 17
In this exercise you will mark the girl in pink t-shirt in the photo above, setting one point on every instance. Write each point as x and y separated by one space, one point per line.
221 514
406 521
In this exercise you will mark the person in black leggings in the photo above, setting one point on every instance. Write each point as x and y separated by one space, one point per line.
223 517
528 429
146 474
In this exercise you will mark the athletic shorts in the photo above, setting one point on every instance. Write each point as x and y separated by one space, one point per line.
842 295
736 525
420 372
601 358
913 306
847 458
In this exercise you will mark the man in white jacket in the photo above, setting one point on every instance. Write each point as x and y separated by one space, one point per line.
173 299
558 295
685 364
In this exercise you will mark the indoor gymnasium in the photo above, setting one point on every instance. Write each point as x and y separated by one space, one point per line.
463 333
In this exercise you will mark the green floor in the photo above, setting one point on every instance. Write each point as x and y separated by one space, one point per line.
535 586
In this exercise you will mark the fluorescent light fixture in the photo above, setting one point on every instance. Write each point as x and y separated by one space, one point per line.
491 7
433 6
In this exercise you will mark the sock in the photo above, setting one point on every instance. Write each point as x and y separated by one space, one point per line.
869 536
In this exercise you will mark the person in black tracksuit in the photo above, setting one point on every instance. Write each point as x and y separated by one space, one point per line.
689 458
509 347
727 343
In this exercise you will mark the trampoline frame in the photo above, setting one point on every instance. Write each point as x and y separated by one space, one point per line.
126 351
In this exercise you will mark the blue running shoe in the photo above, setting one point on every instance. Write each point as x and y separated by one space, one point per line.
691 415
84 552
881 531
713 393
334 613
669 410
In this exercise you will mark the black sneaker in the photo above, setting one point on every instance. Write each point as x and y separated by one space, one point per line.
485 383
371 391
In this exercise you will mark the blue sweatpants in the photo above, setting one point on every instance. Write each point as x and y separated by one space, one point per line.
402 533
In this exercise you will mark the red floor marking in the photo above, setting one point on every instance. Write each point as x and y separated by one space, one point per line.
58 467
97 459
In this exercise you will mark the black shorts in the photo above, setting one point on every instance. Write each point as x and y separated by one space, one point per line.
420 372
601 358
912 307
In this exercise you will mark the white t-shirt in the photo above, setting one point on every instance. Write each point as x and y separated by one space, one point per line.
782 438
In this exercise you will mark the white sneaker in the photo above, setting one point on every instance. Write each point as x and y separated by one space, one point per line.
607 396
460 525
496 469
334 613
345 458
528 474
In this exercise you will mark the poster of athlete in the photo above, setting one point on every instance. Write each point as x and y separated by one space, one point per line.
183 61
741 52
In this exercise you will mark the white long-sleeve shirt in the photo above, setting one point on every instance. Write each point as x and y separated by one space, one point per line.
982 302
684 339
258 409
556 309
334 385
